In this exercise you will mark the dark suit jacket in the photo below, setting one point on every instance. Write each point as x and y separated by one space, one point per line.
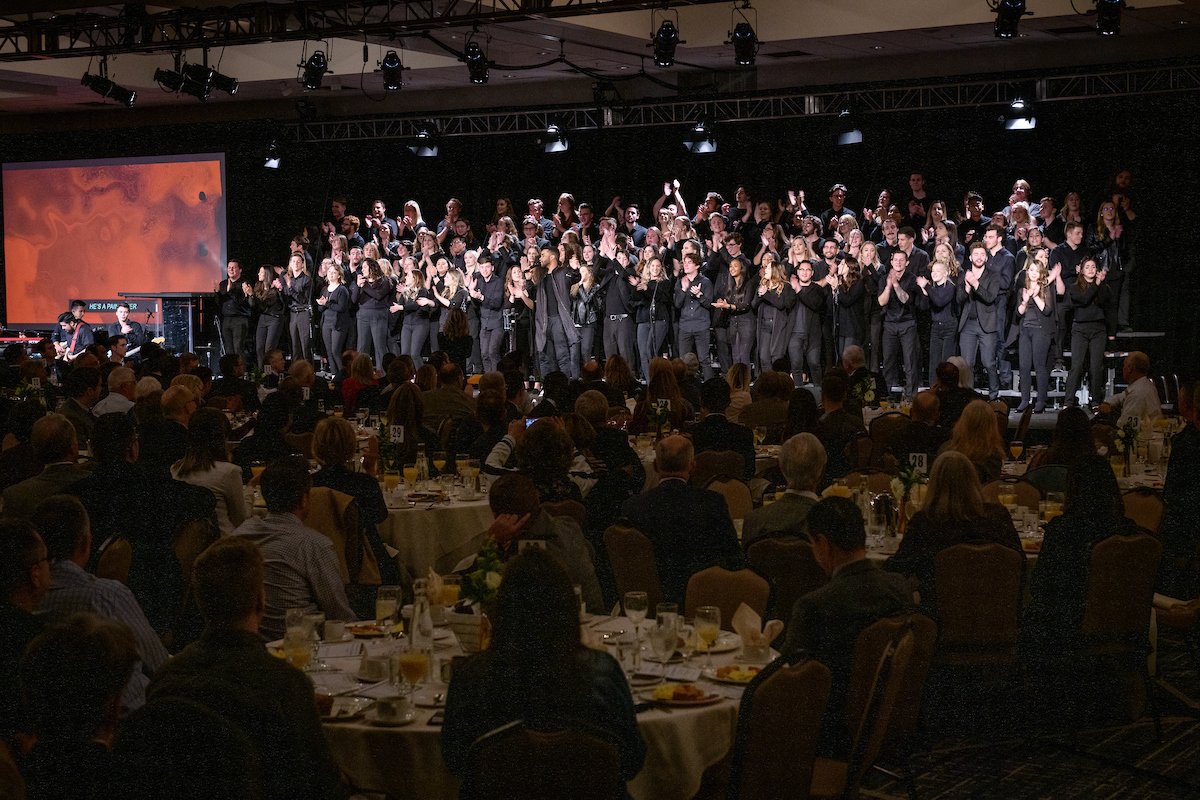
787 516
835 430
716 432
826 623
987 300
690 529
21 499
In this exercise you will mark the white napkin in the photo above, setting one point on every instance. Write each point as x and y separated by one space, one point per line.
747 624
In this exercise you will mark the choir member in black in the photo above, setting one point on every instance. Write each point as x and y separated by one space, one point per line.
772 305
733 320
518 308
618 280
372 291
555 339
417 303
1094 319
1064 266
297 291
268 302
135 335
452 294
847 292
900 297
981 313
654 296
488 294
435 279
1108 242
941 296
805 328
234 302
693 301
873 272
1035 315
585 305
334 301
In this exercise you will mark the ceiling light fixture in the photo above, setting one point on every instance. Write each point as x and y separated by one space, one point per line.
555 140
1008 17
1108 17
101 85
314 70
477 62
665 39
701 138
742 37
393 71
274 156
426 144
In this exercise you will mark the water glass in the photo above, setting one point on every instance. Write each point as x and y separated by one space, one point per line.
629 651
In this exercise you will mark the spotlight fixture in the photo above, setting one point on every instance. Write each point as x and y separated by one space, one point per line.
477 62
393 72
1108 17
426 144
210 79
848 133
274 156
743 38
701 137
1020 123
851 136
1008 17
1017 104
555 140
106 88
665 40
101 85
315 70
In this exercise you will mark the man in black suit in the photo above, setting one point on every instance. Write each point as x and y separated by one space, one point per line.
827 621
837 426
716 432
981 298
689 528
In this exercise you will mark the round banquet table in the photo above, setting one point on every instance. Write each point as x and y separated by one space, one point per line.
406 762
765 457
423 535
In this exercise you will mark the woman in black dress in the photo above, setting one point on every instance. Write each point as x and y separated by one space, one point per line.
734 321
1093 322
268 301
849 314
1036 315
334 301
417 303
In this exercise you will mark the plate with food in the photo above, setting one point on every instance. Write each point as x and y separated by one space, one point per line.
726 643
344 709
372 630
739 674
1031 545
682 694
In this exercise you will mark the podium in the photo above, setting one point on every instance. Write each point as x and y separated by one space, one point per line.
181 316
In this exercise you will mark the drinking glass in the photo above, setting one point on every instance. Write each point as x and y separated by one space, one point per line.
391 479
461 460
668 611
297 638
410 476
663 640
708 628
472 474
686 641
628 650
760 435
451 589
1015 449
636 607
439 460
256 471
387 602
413 665
314 622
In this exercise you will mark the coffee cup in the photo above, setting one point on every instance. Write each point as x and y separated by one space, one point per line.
393 709
373 668
335 630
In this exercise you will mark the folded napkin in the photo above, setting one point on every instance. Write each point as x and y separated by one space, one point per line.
433 588
747 624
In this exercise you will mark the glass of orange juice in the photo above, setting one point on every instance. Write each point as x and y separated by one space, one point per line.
413 665
391 479
1015 449
451 589
256 471
439 460
410 476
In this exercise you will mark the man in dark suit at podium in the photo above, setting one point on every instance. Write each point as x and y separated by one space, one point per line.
135 335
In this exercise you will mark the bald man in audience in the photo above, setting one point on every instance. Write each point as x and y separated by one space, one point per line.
55 444
802 462
1140 399
690 528
122 383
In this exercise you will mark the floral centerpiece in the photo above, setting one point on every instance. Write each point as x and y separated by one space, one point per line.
1125 440
480 585
908 489
863 391
660 418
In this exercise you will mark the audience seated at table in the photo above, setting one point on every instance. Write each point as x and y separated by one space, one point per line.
837 426
1072 439
1092 511
301 565
163 426
24 582
1180 528
769 409
977 437
953 388
20 461
537 670
611 445
802 462
267 442
663 385
827 621
72 676
953 512
64 526
55 445
547 455
206 464
715 432
866 388
690 528
448 400
921 433
229 672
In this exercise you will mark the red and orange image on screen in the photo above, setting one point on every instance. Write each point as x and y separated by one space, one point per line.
89 230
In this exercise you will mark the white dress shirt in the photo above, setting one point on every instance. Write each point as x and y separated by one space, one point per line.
1140 399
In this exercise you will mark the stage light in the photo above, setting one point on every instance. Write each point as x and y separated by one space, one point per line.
315 69
1021 123
664 42
1017 104
555 140
106 88
1008 17
426 145
210 78
1108 17
274 156
745 44
701 137
851 136
477 62
393 72
194 81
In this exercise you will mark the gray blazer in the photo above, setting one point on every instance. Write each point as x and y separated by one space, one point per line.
787 516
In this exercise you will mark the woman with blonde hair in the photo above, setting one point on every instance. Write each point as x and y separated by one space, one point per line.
662 386
977 436
585 309
772 304
953 512
654 300
268 301
874 272
417 303
738 378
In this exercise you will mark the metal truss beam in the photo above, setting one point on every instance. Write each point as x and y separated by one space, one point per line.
91 34
963 94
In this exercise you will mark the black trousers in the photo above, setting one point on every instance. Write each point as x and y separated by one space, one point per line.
335 343
266 336
299 328
373 333
651 337
805 354
943 343
1087 353
1033 354
901 340
972 341
491 339
412 339
234 334
698 342
619 339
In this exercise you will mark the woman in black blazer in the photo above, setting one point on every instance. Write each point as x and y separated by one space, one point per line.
334 301
846 293
1036 318
1093 323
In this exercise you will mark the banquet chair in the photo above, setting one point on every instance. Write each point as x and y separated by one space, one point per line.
736 493
877 481
726 589
1145 507
301 442
633 564
517 762
1023 424
868 713
883 429
859 453
978 590
1027 494
779 722
566 508
713 464
789 564
1050 478
445 432
114 559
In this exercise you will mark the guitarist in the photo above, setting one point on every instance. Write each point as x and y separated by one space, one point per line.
74 337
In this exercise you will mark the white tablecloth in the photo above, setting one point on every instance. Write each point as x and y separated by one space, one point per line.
406 762
423 534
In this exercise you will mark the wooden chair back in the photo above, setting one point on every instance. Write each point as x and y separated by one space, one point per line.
717 464
633 563
1120 590
1145 507
737 496
978 604
1050 478
115 559
789 564
336 515
726 589
518 762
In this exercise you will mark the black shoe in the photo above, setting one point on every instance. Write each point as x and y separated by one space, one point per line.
1039 409
1024 405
